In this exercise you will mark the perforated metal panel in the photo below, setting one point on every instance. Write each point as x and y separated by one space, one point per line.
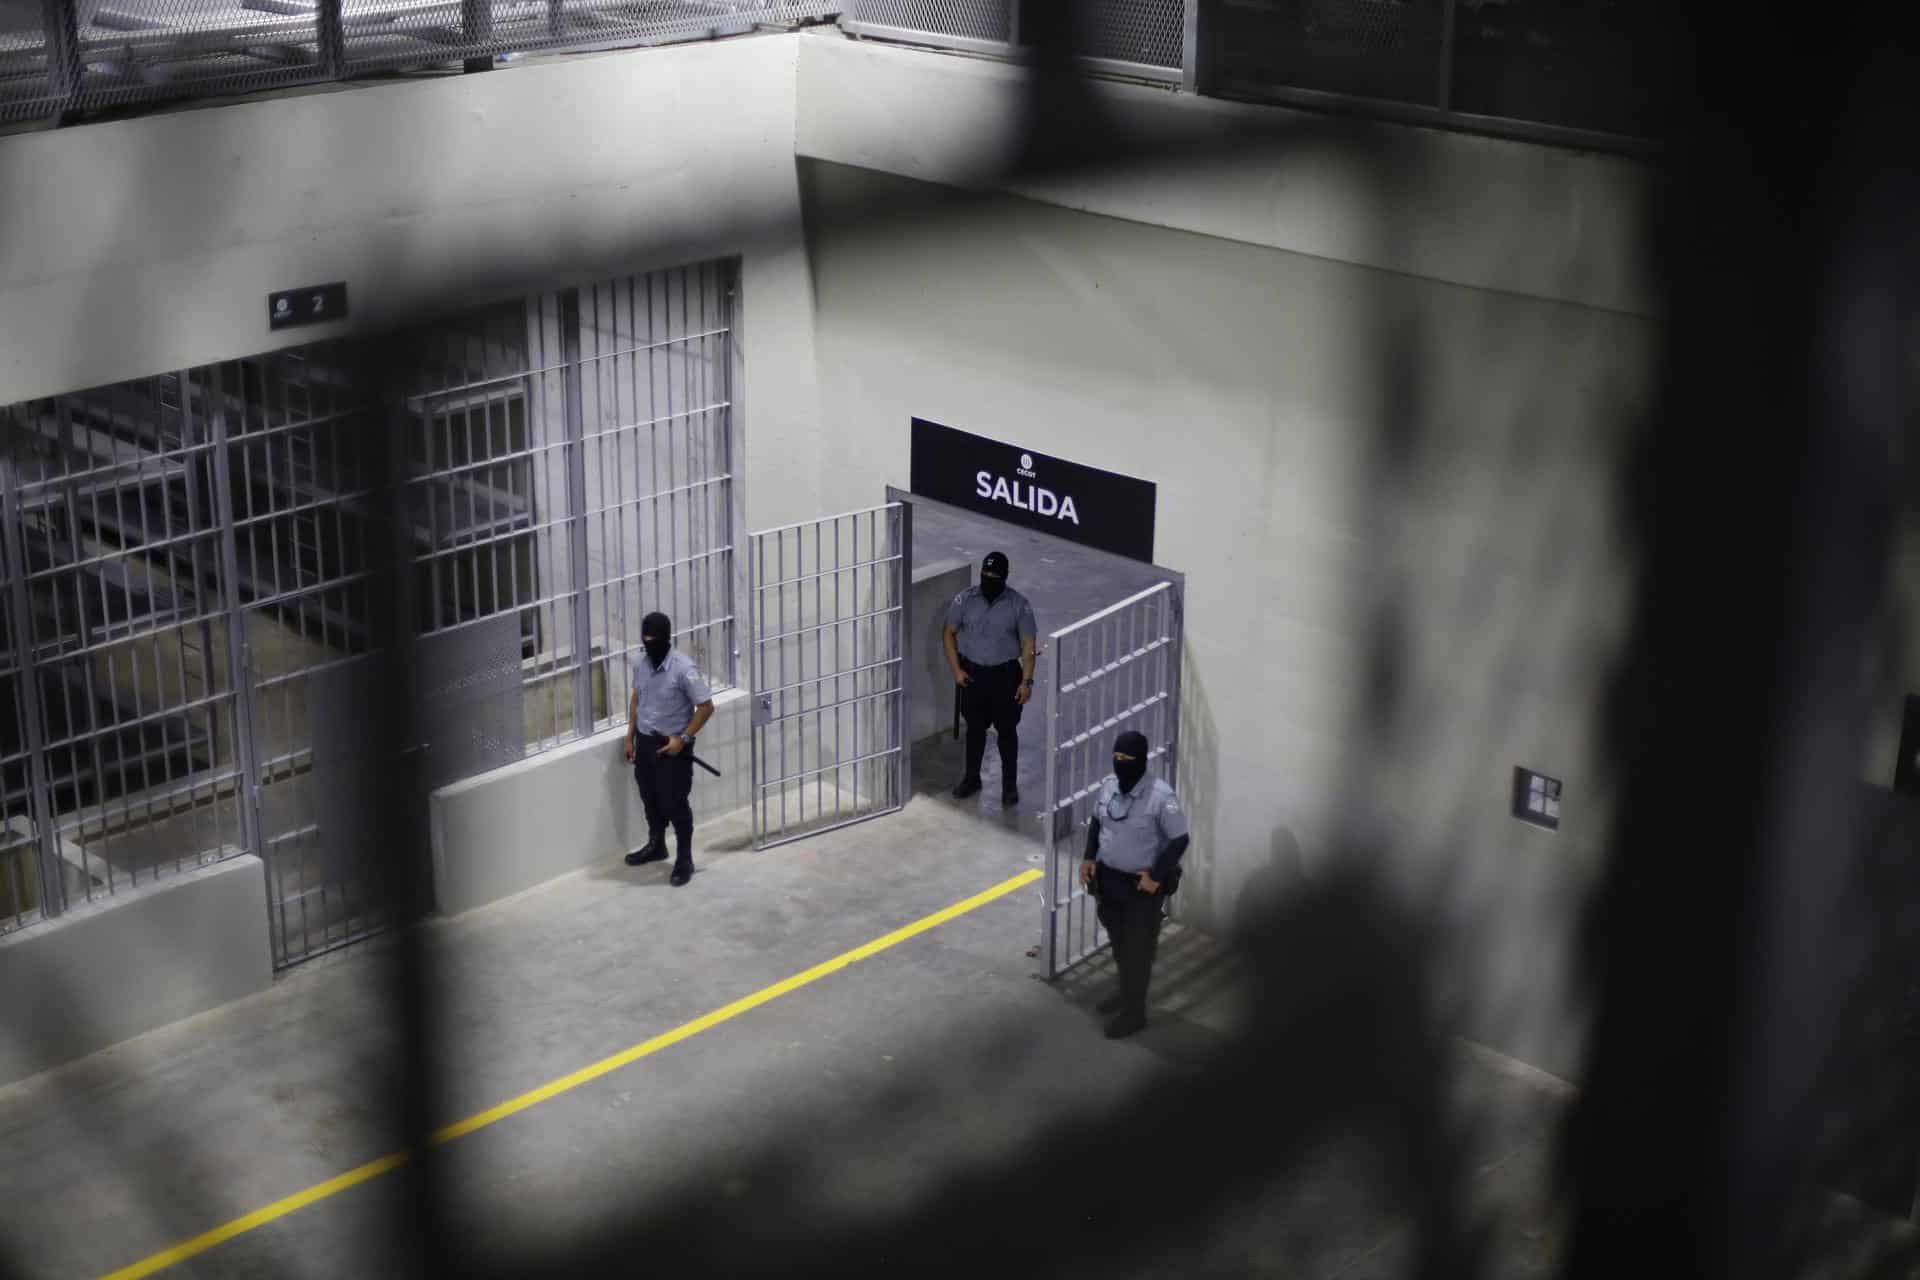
1389 49
468 684
104 53
1145 32
981 20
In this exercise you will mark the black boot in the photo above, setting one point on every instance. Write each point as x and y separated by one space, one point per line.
652 851
966 787
1111 1005
682 869
1125 1025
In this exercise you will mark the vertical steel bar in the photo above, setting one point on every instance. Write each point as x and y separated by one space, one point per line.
61 24
903 652
332 39
53 887
1191 52
576 457
780 561
819 700
839 741
1050 819
239 651
1443 88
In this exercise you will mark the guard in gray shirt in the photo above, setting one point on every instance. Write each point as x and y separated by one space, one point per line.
1132 864
669 703
989 638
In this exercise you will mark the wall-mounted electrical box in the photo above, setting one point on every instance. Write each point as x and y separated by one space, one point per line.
1536 798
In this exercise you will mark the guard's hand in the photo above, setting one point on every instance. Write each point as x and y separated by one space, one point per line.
1021 694
629 749
1148 884
674 746
1086 873
962 679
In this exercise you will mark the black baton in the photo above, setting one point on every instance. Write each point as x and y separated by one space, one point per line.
661 754
956 712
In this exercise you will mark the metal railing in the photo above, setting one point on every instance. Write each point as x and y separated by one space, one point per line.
60 58
1519 68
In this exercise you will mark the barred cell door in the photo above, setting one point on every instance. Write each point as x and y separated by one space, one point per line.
1114 670
828 627
300 496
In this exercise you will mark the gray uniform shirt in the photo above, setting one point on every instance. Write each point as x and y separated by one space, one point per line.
1136 825
990 634
668 695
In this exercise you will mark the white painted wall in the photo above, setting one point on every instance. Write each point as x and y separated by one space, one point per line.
141 959
1244 372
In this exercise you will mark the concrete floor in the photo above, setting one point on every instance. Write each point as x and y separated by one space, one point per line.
864 1087
1064 581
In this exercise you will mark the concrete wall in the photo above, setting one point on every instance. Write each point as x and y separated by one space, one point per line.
144 958
142 246
511 829
1384 400
930 683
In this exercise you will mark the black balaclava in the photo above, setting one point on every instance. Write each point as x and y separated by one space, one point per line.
1129 772
656 636
993 575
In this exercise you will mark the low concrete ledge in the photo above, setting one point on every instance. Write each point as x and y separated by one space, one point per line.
144 958
510 829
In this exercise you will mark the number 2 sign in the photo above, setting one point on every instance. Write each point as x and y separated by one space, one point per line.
314 304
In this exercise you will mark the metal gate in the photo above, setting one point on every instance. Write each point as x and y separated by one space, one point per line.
1114 670
827 617
264 606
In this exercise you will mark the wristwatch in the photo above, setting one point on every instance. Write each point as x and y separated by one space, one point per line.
1026 684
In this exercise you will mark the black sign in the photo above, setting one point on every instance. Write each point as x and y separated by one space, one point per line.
315 304
1067 499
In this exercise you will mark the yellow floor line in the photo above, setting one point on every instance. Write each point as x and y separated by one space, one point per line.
374 1168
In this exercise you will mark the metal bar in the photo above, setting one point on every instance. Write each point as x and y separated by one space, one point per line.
576 456
1191 57
847 568
1049 939
239 650
819 735
903 651
53 886
61 25
928 39
800 631
1109 611
331 38
1443 89
803 773
839 712
820 831
1125 69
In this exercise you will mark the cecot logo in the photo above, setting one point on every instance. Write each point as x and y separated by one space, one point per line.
1026 465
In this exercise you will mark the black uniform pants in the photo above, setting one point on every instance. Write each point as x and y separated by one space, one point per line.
1131 917
988 700
666 783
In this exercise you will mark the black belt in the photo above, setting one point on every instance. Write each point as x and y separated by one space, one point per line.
662 740
969 665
